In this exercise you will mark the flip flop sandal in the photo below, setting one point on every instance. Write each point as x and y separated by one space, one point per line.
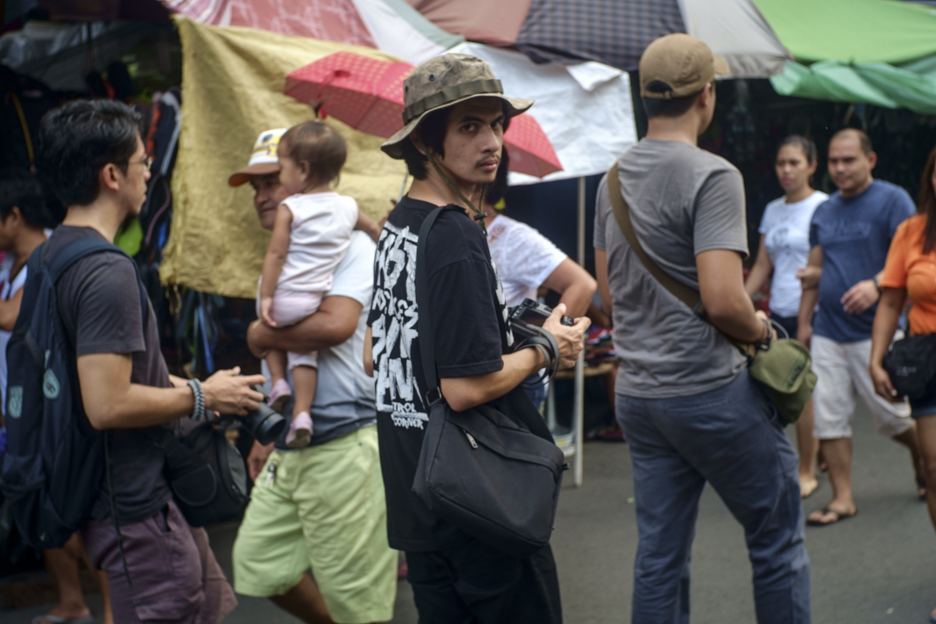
54 619
839 517
921 493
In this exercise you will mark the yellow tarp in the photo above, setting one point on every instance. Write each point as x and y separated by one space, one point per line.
232 90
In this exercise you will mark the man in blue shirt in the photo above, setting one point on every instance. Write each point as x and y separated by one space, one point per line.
849 237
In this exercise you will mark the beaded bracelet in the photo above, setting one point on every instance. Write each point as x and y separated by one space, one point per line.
199 412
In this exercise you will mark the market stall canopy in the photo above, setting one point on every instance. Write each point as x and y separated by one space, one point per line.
57 53
874 51
233 79
585 109
389 25
84 11
614 33
367 94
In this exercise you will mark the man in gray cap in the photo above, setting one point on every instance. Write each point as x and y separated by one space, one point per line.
689 409
452 143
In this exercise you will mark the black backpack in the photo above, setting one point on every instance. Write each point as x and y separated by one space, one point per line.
55 460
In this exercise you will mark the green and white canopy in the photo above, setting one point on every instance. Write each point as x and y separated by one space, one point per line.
880 52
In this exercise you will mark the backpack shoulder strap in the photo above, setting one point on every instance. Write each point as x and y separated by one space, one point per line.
75 251
676 288
81 248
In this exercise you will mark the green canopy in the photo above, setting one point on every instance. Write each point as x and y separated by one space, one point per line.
881 52
856 31
874 83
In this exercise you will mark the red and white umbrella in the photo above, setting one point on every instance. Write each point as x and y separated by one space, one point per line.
367 94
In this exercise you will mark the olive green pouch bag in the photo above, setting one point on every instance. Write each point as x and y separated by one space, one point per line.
783 370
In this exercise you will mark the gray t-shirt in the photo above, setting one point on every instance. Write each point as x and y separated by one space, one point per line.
99 302
344 394
683 201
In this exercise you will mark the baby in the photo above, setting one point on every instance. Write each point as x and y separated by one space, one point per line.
311 235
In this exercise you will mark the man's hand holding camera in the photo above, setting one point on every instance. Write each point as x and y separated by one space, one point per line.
569 338
229 392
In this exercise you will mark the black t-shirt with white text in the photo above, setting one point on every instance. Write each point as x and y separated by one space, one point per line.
467 306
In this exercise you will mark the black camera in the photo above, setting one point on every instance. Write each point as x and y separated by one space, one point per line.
533 313
263 423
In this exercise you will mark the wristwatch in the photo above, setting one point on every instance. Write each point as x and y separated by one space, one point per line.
766 343
877 284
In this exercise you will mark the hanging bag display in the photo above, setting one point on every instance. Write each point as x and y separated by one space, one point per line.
493 471
783 370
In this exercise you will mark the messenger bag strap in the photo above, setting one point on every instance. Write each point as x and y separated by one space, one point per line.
528 416
622 214
676 288
424 320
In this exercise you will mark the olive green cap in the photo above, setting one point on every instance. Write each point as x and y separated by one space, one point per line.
442 82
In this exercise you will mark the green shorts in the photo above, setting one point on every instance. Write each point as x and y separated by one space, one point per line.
325 510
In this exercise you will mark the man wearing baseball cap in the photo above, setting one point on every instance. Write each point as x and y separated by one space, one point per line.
690 411
452 142
322 506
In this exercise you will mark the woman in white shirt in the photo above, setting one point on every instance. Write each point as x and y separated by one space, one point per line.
527 260
784 248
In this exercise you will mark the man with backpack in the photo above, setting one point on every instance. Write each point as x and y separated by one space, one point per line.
690 410
158 567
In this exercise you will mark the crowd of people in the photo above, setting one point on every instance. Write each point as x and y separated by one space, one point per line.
334 498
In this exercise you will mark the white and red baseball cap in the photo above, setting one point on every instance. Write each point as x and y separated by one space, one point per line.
263 160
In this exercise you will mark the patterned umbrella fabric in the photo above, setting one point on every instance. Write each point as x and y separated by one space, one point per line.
614 32
367 94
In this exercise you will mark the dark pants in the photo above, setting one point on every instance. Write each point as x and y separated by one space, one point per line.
473 583
173 572
732 438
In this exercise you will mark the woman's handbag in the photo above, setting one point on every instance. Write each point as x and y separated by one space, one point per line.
783 370
911 364
492 471
205 472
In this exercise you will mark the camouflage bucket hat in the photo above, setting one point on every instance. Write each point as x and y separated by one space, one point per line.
442 82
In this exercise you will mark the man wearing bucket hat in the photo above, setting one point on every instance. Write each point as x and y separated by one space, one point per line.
321 506
452 142
687 405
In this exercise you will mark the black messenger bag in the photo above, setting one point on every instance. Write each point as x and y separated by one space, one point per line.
911 364
492 471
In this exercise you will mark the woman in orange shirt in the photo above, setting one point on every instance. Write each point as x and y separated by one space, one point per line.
910 271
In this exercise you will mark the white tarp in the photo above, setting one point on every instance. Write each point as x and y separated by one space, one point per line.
736 31
399 29
584 109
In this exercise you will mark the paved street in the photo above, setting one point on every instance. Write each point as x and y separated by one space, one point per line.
875 568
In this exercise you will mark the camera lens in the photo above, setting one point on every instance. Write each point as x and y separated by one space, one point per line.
264 423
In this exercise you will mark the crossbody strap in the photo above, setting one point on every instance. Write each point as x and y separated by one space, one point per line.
621 210
687 295
424 320
529 417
